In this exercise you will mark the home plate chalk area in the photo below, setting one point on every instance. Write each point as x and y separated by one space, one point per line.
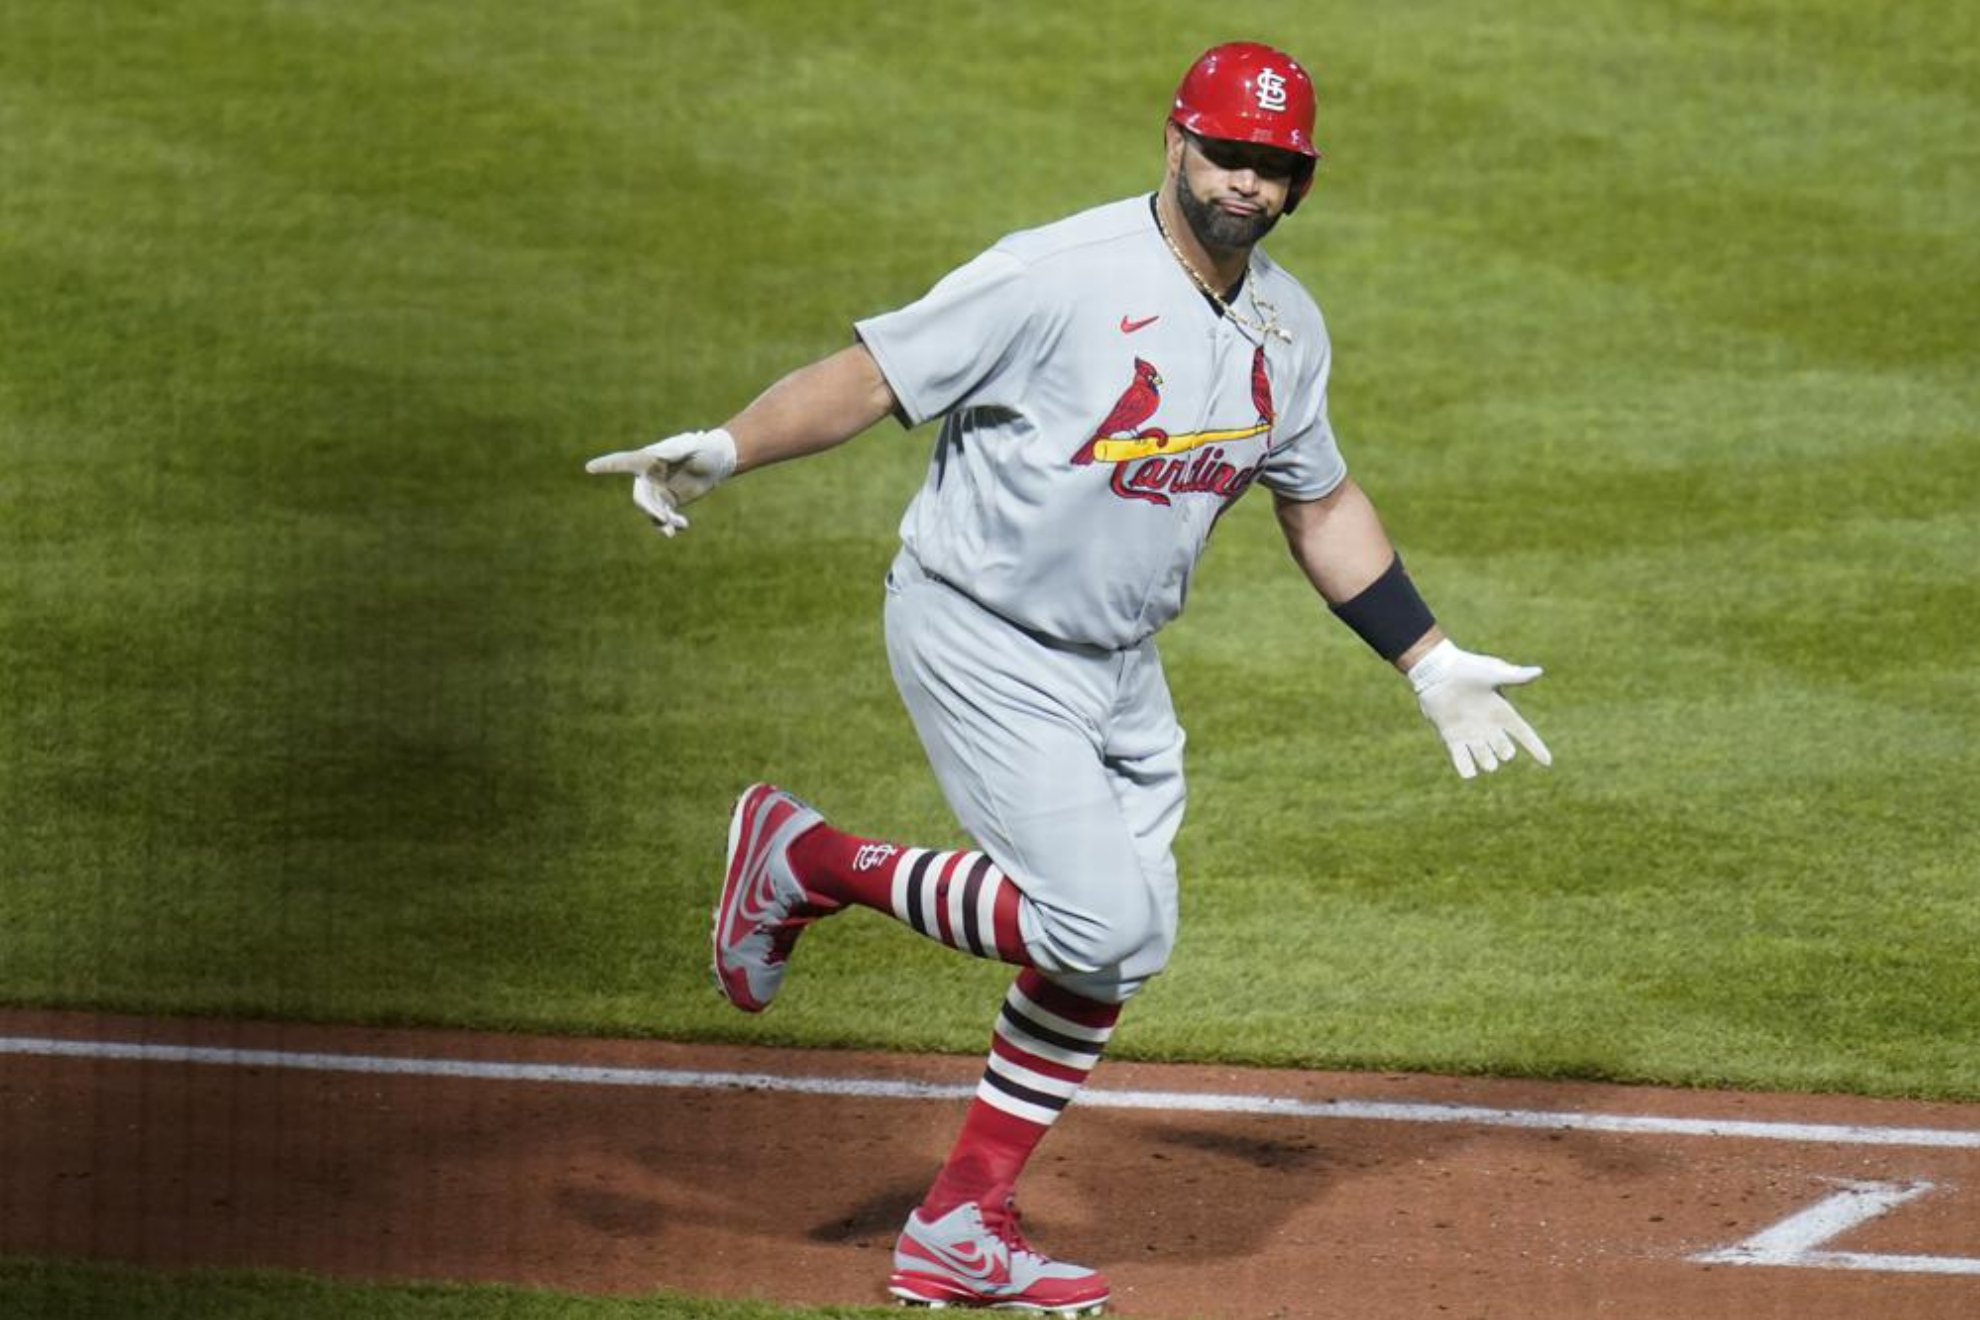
626 1167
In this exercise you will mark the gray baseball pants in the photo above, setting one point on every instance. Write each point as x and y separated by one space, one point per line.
1064 762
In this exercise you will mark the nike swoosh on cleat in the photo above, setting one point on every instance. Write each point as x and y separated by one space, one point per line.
975 1263
759 892
756 890
1129 327
753 891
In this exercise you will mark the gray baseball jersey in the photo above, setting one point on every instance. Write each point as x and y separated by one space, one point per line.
1099 415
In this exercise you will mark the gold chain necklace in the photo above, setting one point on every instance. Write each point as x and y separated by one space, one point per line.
1268 322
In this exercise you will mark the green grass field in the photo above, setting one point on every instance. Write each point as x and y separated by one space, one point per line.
335 690
31 1290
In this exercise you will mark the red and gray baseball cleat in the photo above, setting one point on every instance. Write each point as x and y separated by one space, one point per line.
975 1256
764 907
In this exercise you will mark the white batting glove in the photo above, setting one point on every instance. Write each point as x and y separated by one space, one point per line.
1459 693
676 471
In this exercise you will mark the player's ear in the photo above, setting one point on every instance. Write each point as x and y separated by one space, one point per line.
1173 140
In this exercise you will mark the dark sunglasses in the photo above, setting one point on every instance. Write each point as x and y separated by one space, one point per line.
1266 162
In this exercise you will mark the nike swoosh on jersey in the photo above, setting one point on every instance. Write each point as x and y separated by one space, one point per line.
1129 327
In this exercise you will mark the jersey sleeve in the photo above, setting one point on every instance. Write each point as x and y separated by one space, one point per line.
1306 463
961 343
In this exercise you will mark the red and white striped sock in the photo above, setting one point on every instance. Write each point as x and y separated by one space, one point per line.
956 897
1047 1040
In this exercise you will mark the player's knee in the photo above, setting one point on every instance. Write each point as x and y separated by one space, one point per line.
1106 987
1120 945
1121 981
1125 946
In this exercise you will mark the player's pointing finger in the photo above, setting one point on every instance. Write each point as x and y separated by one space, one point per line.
629 462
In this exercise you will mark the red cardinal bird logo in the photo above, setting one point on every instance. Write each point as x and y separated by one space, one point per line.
1135 406
1261 387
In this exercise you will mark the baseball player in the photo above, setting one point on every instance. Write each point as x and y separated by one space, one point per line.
1108 386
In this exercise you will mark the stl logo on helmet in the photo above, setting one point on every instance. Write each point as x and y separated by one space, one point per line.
1271 90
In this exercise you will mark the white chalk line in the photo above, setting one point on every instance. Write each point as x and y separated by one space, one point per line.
1794 1242
877 1088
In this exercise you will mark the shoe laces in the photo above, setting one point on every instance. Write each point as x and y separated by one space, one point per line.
785 936
786 932
1001 1219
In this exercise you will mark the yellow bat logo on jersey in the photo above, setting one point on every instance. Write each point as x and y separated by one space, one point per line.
1150 443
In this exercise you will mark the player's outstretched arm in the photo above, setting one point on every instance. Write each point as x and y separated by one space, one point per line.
812 409
1339 542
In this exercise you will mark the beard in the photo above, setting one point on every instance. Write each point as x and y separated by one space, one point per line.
1217 228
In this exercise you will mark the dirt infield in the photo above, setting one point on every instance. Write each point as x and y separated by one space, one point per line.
631 1182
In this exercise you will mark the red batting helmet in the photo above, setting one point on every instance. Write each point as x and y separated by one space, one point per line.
1245 92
